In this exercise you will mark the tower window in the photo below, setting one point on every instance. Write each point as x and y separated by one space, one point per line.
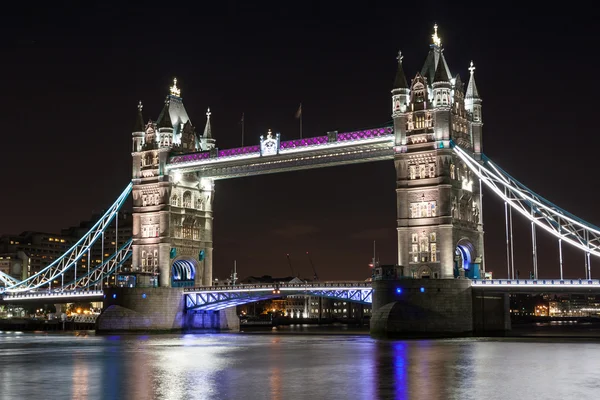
413 172
187 200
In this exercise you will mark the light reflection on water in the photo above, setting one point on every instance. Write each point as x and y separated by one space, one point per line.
259 366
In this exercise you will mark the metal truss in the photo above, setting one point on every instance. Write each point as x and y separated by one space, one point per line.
544 214
221 297
7 279
362 296
102 271
70 258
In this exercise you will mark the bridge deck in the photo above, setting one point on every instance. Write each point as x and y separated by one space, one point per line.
315 152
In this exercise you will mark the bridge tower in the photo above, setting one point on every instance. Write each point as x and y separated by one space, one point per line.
172 213
440 230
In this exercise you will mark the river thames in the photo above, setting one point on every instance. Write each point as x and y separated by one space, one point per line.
291 366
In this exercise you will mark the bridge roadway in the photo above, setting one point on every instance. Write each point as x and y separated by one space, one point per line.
220 297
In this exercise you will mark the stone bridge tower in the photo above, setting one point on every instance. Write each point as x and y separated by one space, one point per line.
440 230
172 213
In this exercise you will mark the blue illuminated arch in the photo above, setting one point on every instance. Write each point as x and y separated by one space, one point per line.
183 272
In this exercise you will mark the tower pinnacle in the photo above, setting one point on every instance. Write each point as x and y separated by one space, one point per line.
472 92
400 81
175 91
207 129
436 39
140 106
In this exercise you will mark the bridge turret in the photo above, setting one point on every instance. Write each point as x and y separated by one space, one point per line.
138 130
206 141
165 126
400 102
473 106
442 88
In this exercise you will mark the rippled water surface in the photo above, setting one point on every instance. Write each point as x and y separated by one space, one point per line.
266 366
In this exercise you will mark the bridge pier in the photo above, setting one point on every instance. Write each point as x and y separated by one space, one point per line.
436 308
158 309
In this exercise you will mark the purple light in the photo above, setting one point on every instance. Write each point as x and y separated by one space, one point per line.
312 141
239 151
189 157
368 134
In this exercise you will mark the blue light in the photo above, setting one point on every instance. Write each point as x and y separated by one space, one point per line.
398 290
143 295
114 295
422 290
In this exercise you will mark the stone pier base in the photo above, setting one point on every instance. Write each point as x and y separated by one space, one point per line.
436 308
157 309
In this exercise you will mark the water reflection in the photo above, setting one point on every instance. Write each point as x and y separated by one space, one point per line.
293 366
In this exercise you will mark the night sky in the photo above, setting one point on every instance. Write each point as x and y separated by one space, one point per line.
73 75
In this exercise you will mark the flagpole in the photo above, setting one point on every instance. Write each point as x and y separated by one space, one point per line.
242 129
300 120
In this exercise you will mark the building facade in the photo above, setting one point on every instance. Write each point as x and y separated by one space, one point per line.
440 229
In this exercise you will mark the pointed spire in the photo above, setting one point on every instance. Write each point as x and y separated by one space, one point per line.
139 122
441 74
164 119
472 92
207 130
400 81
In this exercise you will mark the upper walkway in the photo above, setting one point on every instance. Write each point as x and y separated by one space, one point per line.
313 152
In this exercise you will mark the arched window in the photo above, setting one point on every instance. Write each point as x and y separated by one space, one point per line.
175 200
188 224
187 199
196 230
199 202
144 255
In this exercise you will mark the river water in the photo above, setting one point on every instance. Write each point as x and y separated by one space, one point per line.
292 366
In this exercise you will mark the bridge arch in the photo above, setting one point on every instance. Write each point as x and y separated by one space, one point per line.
464 256
183 272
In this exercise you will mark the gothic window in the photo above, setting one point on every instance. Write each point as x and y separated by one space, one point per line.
144 255
429 124
423 207
452 171
187 228
175 200
431 170
199 202
415 253
413 172
149 159
433 252
415 238
196 230
424 243
187 200
155 261
145 231
422 171
431 209
432 237
144 200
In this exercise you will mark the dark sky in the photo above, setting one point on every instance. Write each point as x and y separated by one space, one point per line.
73 74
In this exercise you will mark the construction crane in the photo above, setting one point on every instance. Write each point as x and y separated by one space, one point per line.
290 264
315 277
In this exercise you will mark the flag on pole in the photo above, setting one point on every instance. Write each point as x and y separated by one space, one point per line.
299 112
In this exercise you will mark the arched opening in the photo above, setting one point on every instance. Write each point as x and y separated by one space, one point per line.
464 255
425 273
183 272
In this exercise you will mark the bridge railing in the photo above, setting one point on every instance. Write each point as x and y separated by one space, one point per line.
43 295
271 286
535 282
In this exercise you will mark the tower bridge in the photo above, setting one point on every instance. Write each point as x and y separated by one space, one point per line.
436 146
